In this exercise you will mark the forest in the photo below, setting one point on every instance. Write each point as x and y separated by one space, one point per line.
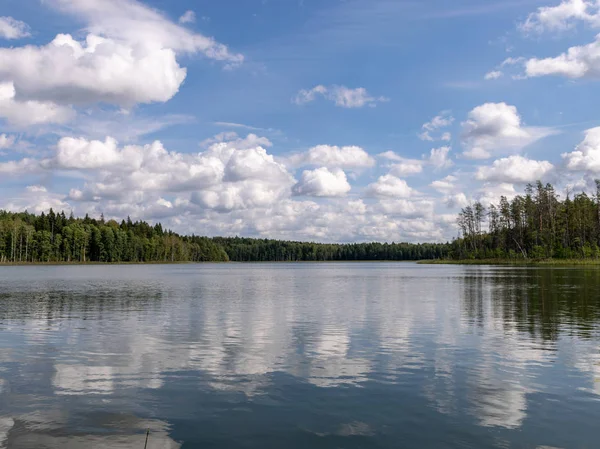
536 225
54 237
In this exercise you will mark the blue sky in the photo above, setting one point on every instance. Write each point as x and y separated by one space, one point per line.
314 120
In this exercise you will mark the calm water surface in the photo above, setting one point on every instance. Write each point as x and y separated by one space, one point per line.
299 356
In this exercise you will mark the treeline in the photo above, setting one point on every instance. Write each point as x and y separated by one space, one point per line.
536 225
54 237
257 250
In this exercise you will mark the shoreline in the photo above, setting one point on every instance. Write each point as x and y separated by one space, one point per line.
234 262
496 262
49 264
517 262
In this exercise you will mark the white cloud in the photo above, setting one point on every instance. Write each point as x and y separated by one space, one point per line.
6 141
491 192
354 98
20 167
391 156
494 127
308 95
232 187
578 62
438 157
97 70
562 17
456 200
390 186
453 196
35 199
586 156
128 57
444 185
349 157
188 17
13 29
135 23
514 169
22 113
343 96
404 166
322 182
443 120
407 167
229 175
83 154
407 208
493 75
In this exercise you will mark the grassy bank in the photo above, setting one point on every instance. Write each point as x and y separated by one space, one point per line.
516 262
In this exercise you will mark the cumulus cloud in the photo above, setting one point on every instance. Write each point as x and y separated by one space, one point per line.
438 157
13 29
578 62
491 192
73 153
342 96
456 200
98 69
407 167
35 199
407 208
188 17
229 175
562 16
322 182
494 127
402 165
443 120
514 169
453 196
444 185
22 113
586 156
20 167
348 157
390 186
390 156
128 57
233 186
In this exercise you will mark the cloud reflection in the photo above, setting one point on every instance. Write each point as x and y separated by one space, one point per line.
469 342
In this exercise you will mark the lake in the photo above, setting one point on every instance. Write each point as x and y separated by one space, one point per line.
331 355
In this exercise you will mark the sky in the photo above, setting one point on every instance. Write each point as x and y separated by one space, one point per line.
328 120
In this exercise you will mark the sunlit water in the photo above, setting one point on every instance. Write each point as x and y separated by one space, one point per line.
299 356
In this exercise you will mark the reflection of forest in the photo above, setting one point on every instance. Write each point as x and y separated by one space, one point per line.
542 302
57 302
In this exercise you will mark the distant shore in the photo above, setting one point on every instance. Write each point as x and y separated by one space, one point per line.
515 262
24 264
501 262
38 264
